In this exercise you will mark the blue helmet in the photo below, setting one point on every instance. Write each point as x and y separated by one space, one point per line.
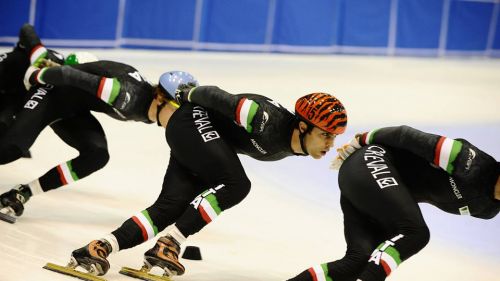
170 81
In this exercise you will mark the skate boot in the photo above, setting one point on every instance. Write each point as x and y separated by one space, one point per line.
165 254
15 199
92 257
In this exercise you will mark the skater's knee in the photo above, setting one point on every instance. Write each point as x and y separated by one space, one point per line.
355 258
101 156
98 156
9 153
232 193
416 237
241 190
422 236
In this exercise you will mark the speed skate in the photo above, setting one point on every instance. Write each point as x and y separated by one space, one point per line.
71 271
144 274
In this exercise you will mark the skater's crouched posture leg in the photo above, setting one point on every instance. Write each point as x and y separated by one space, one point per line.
198 186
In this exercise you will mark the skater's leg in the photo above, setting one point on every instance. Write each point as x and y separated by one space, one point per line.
361 238
214 162
217 165
179 187
84 133
18 139
370 181
30 121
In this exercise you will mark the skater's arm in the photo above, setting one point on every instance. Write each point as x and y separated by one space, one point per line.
104 88
214 98
240 108
440 150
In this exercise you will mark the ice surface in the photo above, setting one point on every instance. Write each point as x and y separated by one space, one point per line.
291 219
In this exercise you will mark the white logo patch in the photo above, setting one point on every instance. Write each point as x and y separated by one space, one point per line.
472 155
464 211
386 182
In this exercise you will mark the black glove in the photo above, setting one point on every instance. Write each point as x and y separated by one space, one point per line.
28 38
182 92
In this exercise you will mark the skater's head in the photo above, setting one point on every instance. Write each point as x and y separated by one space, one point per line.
164 102
170 82
320 118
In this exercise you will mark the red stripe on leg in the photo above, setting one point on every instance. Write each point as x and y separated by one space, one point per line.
386 267
143 230
313 274
61 175
204 215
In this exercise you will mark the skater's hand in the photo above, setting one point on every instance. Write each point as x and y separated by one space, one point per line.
345 151
182 93
47 63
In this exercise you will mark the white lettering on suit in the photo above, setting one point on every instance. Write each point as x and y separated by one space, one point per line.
378 168
204 125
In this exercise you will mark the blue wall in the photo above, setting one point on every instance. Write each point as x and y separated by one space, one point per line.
392 27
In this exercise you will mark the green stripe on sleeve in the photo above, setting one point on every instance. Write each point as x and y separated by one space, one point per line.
455 149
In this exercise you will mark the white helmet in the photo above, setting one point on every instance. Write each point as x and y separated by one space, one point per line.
79 58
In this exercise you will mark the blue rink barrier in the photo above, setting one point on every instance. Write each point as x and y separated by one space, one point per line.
382 27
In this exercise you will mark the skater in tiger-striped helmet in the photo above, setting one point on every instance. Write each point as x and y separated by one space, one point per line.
383 175
205 176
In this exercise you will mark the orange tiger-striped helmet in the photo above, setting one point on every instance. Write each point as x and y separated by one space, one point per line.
323 111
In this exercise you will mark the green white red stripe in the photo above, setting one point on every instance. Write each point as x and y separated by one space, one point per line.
108 89
209 208
245 112
66 173
446 152
390 259
145 223
367 138
37 54
320 273
39 76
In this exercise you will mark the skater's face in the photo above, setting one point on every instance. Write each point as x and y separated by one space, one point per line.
318 142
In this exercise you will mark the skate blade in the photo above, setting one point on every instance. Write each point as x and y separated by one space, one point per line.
139 274
72 272
7 217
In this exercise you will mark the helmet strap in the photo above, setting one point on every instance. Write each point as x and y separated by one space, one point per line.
302 136
302 145
159 107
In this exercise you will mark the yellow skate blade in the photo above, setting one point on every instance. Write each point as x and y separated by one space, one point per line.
8 218
72 272
137 273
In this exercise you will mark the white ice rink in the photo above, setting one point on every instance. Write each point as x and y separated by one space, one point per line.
291 219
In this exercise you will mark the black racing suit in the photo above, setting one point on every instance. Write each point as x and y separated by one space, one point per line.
12 92
205 176
28 50
65 103
381 184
